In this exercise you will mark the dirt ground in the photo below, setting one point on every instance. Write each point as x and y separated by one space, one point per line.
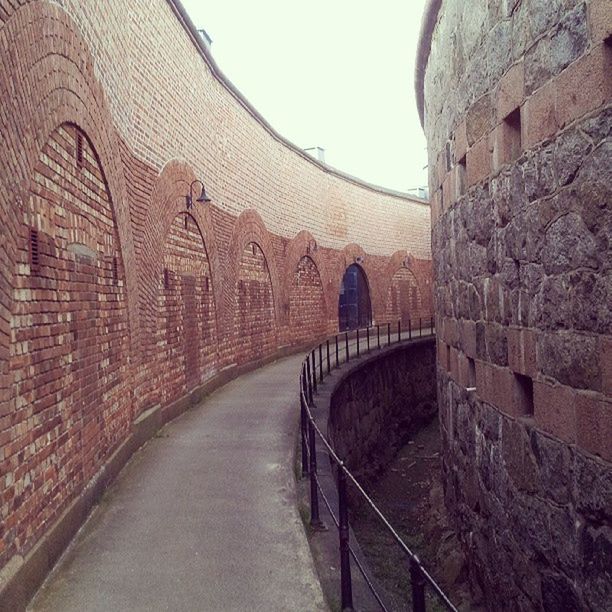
409 493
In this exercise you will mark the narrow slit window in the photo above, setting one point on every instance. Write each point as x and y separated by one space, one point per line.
512 136
115 271
524 393
471 373
461 176
166 279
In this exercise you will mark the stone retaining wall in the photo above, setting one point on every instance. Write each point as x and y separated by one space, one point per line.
378 405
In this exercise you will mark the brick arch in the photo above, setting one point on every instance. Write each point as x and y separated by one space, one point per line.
168 201
345 258
185 332
307 306
72 373
249 227
298 248
42 43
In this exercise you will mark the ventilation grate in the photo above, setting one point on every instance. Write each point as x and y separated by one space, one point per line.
34 249
115 271
79 150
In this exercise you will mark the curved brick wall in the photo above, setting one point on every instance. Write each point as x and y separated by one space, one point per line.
517 116
116 306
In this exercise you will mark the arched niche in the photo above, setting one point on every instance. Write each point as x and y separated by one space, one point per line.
354 301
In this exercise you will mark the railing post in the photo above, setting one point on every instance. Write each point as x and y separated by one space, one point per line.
328 359
420 327
417 581
345 553
346 344
357 342
431 326
308 380
304 436
389 333
368 337
315 519
399 330
337 353
314 370
378 334
320 362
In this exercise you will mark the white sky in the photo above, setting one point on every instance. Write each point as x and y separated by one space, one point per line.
332 73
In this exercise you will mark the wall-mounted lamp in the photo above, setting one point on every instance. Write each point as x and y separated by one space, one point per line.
189 197
311 246
359 259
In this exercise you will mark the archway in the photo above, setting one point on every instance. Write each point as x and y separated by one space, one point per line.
307 312
70 328
404 301
255 322
186 335
354 304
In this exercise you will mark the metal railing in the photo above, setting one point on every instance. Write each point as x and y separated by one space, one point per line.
311 375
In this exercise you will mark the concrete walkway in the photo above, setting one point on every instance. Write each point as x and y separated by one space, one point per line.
203 517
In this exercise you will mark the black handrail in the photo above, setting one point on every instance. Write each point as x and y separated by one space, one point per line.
419 577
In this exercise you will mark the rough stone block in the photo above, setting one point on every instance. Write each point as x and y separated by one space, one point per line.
478 161
554 409
539 116
600 20
605 360
510 91
573 359
584 85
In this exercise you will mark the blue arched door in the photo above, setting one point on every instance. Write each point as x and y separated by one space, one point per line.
354 307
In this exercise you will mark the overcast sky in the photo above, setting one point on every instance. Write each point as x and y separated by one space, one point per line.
338 74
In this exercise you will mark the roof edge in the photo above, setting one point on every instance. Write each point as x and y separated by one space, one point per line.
182 16
428 23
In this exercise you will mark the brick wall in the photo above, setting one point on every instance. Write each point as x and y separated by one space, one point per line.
517 115
114 300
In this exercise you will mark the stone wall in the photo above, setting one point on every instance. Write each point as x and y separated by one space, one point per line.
517 115
116 303
376 406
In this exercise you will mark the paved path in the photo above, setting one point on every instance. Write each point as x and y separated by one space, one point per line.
203 517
